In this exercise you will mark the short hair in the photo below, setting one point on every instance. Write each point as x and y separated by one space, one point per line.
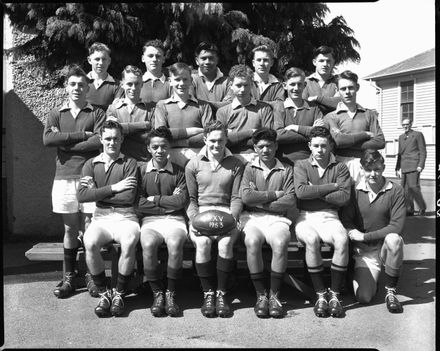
263 48
349 75
160 132
369 157
156 43
294 72
216 125
207 47
321 132
77 71
241 71
131 69
178 67
264 133
324 50
99 47
110 124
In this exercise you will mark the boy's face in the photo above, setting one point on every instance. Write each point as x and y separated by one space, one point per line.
241 88
266 150
348 90
324 64
373 174
111 140
216 142
153 59
294 87
207 61
262 62
132 85
320 148
99 60
180 82
77 88
159 149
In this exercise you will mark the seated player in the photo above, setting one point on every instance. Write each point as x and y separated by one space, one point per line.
213 178
294 119
184 115
374 220
135 116
267 193
244 114
322 186
162 198
110 179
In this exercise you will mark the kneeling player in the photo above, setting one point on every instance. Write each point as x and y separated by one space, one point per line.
374 218
110 179
213 179
163 196
322 186
267 192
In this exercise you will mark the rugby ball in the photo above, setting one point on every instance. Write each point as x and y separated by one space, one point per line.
213 222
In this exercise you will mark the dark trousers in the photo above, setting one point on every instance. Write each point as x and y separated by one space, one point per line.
411 184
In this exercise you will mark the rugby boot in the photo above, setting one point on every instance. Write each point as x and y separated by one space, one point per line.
90 284
158 307
66 287
334 304
118 307
393 304
171 307
208 307
321 304
275 307
261 308
105 302
221 305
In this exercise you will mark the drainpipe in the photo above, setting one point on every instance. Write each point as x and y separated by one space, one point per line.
374 85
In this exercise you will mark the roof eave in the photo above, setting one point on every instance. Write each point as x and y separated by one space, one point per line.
390 75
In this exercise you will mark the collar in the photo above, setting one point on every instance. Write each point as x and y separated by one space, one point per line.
341 107
235 103
315 76
364 186
176 99
289 103
203 153
219 74
272 79
149 76
150 167
67 106
313 162
123 101
100 158
109 78
278 165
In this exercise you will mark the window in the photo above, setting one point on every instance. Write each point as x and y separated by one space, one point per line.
407 100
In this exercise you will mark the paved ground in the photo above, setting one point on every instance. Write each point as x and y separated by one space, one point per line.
34 318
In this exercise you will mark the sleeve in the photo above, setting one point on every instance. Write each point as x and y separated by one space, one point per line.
343 140
285 136
328 101
422 150
236 203
119 92
144 206
52 136
160 115
304 190
348 213
206 117
397 218
251 196
288 200
234 137
399 156
267 116
173 203
86 194
342 195
193 192
305 130
378 141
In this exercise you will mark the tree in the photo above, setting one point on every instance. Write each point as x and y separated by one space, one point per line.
64 31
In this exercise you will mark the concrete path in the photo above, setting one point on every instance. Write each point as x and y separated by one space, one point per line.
34 318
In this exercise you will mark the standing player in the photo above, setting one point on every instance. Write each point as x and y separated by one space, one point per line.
156 86
321 86
103 88
163 196
374 218
209 83
410 163
267 192
73 129
294 119
353 127
322 186
135 116
110 179
213 179
244 114
184 115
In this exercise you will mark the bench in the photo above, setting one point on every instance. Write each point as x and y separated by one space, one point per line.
54 252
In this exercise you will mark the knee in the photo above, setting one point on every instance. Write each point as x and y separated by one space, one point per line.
175 245
203 244
225 246
280 244
311 242
252 243
340 242
149 243
91 243
394 243
129 242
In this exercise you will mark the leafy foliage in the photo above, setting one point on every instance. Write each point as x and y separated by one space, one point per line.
64 31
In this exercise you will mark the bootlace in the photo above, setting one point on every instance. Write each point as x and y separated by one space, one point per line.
391 294
209 298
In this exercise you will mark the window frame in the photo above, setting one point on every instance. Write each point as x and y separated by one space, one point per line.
400 114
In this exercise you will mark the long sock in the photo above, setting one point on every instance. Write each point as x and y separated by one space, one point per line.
122 283
258 281
100 281
338 275
173 276
154 278
205 271
316 277
390 281
224 268
70 259
276 279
